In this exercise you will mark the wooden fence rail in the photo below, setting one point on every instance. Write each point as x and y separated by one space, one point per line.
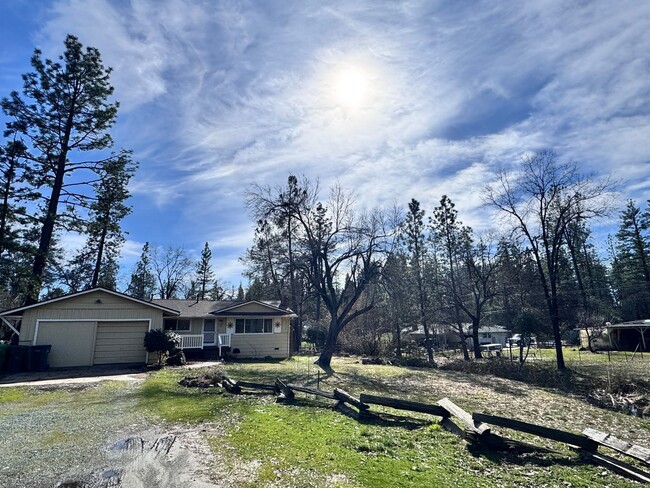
553 434
474 426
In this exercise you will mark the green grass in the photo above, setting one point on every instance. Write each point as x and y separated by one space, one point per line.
161 396
306 443
309 444
8 395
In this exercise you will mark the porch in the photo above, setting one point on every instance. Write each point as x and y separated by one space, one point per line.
197 341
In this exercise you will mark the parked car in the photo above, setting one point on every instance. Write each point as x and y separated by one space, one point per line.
516 339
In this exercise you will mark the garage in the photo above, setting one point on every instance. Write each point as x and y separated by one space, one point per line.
120 342
89 328
72 342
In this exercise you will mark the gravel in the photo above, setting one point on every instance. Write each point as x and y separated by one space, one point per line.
56 436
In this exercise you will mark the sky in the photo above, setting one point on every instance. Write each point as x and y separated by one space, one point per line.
392 99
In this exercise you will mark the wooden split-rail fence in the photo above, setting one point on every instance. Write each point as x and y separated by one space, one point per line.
473 427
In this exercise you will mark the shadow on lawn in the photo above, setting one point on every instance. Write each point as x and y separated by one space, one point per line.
541 457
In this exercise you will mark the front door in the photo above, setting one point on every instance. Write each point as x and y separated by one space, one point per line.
209 332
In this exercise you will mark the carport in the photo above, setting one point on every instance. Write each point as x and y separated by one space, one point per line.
631 336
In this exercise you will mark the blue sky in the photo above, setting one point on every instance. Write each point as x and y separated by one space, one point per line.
395 100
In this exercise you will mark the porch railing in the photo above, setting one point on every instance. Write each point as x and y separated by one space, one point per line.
191 341
224 341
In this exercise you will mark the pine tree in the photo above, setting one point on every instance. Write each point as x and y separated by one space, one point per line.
412 234
633 262
204 273
63 111
143 282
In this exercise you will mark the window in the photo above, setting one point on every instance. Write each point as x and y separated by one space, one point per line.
177 324
254 326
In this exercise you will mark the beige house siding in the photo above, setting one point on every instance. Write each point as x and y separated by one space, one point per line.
275 345
85 307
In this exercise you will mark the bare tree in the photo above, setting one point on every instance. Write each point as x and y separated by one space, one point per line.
342 259
540 201
170 266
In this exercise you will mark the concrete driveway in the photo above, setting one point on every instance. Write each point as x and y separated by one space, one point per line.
94 374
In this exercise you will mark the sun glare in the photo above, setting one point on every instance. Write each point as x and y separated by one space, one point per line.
351 88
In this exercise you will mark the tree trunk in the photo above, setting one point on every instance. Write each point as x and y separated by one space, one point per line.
325 358
576 268
52 209
475 338
463 344
100 253
46 233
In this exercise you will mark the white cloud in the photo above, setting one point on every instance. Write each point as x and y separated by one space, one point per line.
220 95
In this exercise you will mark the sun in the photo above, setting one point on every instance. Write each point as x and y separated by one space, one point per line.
350 88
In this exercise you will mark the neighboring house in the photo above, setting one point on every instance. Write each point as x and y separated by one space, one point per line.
444 335
490 334
628 336
100 326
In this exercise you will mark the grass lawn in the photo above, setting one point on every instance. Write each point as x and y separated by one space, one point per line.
257 442
308 444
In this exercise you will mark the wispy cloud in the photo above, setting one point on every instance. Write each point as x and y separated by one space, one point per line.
218 95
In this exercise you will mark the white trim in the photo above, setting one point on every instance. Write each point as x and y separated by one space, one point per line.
287 312
95 322
92 290
8 324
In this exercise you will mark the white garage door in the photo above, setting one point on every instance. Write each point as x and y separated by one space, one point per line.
72 342
120 342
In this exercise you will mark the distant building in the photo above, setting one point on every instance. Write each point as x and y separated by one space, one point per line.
625 336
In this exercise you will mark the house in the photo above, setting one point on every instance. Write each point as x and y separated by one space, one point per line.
100 326
490 334
447 336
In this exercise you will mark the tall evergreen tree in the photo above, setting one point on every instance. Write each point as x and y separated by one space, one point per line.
412 234
632 264
64 110
452 237
143 282
204 273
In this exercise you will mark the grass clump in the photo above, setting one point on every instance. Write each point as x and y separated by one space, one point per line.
162 396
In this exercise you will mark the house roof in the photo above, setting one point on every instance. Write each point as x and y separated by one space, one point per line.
18 311
210 308
493 329
633 324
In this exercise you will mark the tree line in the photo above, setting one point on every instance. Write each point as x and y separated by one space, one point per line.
169 273
359 275
60 174
356 275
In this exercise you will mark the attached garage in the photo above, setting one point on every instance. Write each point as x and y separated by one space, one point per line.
92 327
120 342
71 342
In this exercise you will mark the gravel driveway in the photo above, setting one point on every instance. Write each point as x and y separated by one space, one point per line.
86 433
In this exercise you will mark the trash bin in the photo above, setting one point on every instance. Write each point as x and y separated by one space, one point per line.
4 349
38 357
17 358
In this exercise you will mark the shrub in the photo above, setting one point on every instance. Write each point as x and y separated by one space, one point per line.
176 358
162 342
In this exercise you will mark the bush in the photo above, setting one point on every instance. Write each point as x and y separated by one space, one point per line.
162 342
176 358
